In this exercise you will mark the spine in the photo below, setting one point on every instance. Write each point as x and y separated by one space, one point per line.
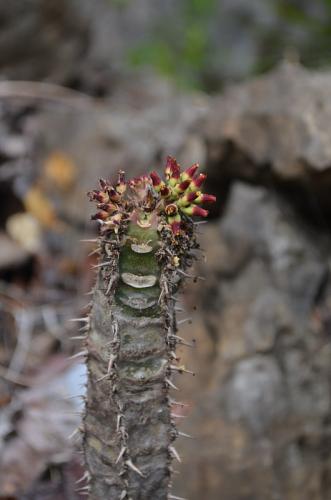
131 342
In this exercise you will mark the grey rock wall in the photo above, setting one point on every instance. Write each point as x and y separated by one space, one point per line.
261 408
262 418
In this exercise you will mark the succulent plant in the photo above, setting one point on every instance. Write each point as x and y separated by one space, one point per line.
146 243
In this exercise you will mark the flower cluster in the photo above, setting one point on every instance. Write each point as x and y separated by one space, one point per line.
146 196
110 202
180 193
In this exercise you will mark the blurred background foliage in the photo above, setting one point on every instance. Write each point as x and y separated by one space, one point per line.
202 44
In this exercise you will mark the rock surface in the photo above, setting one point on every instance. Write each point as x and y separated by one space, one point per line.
262 412
275 131
11 254
280 121
261 407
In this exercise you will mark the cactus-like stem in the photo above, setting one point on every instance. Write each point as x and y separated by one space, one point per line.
131 342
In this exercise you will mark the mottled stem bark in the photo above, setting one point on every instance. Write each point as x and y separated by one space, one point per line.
128 426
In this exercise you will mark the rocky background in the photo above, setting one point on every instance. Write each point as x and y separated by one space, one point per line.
82 100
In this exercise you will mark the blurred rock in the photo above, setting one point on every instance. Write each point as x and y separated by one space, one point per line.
281 120
261 404
261 410
88 45
275 131
57 35
11 253
134 131
35 428
25 230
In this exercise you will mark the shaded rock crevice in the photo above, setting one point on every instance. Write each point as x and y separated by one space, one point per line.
274 131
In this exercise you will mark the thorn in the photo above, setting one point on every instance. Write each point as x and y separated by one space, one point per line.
173 497
160 296
86 319
175 453
181 369
110 364
73 434
118 423
191 275
168 381
174 415
182 341
78 337
73 397
174 402
183 434
91 292
197 223
90 241
84 477
82 489
120 455
101 264
96 250
133 467
75 413
109 286
79 354
181 321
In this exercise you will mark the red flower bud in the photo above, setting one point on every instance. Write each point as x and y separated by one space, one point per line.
103 183
208 198
200 212
139 181
165 191
99 196
108 207
187 199
172 169
101 215
113 194
189 172
191 197
175 224
205 198
198 181
182 186
156 180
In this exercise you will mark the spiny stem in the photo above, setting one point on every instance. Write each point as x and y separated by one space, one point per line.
145 246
